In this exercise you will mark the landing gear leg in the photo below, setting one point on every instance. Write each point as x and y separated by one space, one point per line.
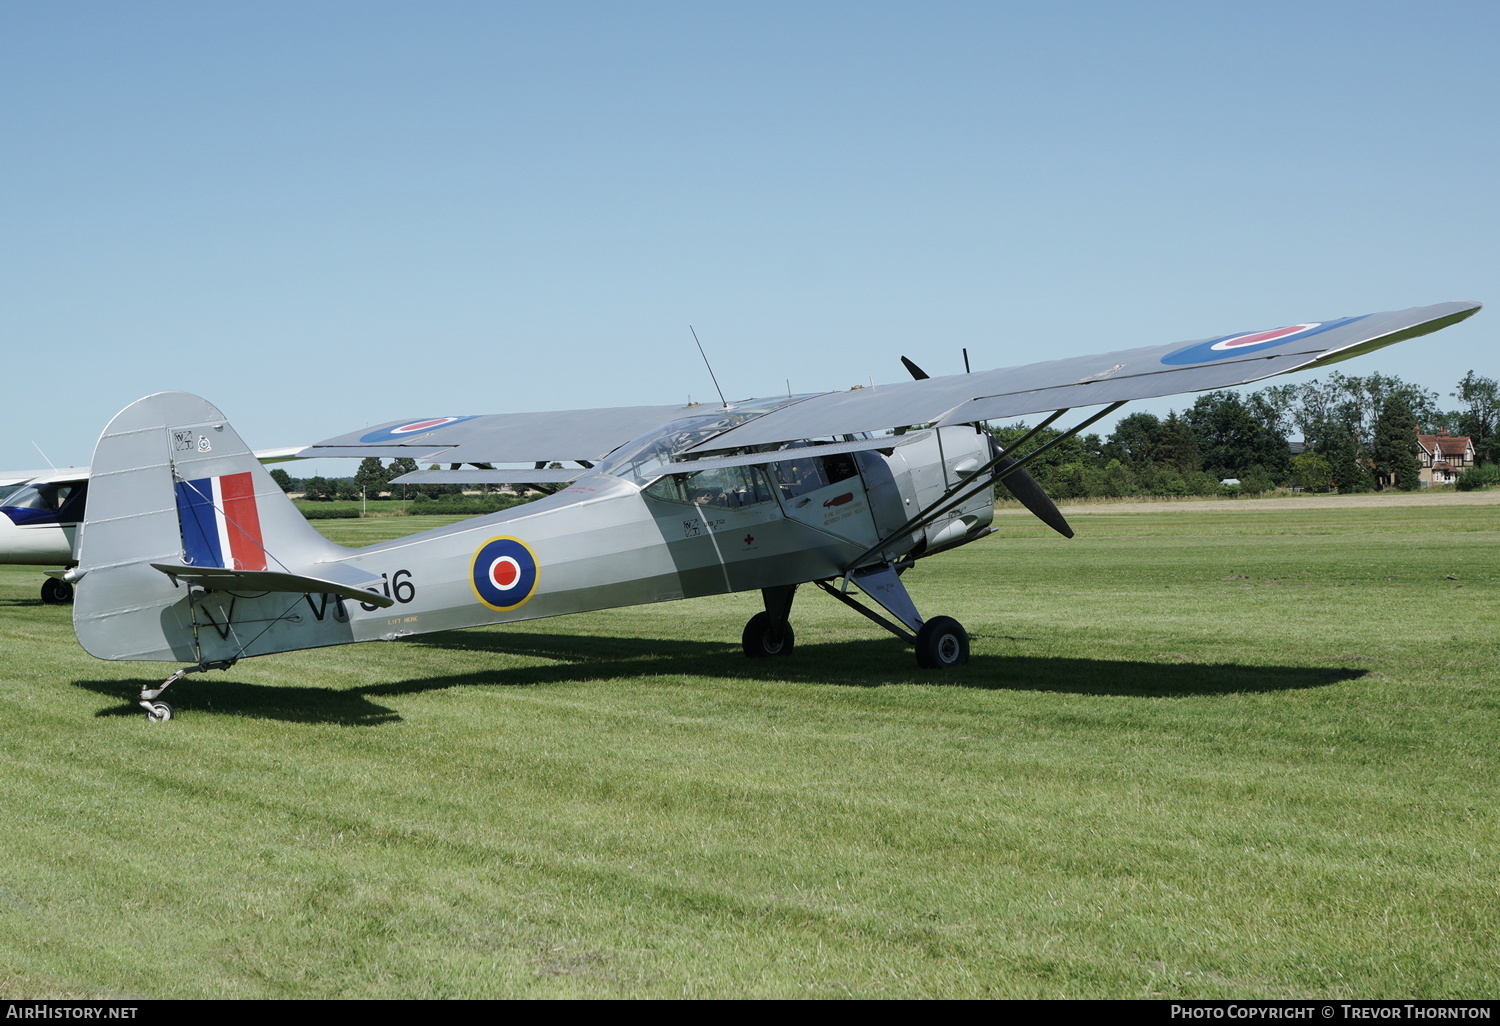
160 712
941 643
768 633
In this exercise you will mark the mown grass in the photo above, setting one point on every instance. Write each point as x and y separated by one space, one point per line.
1245 754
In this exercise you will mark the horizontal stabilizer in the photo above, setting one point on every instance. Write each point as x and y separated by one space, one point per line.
357 586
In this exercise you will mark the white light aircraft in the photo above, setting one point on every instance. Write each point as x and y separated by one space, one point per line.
190 553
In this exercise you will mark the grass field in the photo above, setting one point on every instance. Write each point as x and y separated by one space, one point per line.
1211 753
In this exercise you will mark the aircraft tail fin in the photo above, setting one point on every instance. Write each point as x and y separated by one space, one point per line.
172 484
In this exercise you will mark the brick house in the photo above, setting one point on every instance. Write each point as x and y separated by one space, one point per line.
1444 457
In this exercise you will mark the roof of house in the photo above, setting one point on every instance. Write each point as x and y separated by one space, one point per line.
1444 444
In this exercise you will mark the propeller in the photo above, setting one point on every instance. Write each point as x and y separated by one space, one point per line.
1018 482
1024 487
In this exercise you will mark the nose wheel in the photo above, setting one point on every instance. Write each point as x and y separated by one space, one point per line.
157 712
942 643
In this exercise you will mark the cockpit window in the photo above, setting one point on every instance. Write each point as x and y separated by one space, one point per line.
723 487
39 496
809 472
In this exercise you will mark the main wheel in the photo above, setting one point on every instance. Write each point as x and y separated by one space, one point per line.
158 712
942 643
764 638
56 592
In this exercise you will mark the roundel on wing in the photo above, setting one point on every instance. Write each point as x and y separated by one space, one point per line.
1229 346
411 428
504 573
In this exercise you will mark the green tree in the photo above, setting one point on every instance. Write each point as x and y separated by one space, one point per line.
1176 446
1395 449
1345 463
1079 451
371 477
1353 404
1313 470
1480 417
1256 481
1275 407
282 478
1231 439
1136 440
317 489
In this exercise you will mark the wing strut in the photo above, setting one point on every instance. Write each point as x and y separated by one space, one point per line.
967 489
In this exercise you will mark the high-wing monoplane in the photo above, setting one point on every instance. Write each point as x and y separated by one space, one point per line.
190 553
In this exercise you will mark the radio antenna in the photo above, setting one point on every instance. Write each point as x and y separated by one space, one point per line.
710 368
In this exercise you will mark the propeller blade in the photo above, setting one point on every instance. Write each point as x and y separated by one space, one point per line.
1024 487
916 372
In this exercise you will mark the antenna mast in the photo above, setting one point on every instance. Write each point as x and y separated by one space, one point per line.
710 368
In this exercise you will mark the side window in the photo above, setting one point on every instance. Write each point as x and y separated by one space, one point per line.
724 488
668 489
810 472
42 496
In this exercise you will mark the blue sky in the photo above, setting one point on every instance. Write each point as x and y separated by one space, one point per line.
322 215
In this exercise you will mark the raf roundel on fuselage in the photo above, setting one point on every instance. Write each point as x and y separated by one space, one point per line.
504 573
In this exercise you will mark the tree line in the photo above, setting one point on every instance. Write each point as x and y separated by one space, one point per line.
371 481
1353 434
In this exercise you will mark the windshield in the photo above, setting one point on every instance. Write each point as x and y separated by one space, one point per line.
41 496
640 459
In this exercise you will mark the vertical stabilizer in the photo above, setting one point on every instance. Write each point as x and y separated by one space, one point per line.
172 483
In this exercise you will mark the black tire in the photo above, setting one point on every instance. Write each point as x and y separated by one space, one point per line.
942 644
763 639
56 592
159 712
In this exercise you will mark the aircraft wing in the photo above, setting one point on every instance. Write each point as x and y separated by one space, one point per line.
589 435
483 476
755 459
504 437
1197 366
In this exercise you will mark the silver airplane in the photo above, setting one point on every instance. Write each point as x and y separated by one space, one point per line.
190 553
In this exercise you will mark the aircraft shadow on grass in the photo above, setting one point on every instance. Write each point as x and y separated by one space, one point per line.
573 658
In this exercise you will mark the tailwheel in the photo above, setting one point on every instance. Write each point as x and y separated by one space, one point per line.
765 637
56 592
942 643
157 712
